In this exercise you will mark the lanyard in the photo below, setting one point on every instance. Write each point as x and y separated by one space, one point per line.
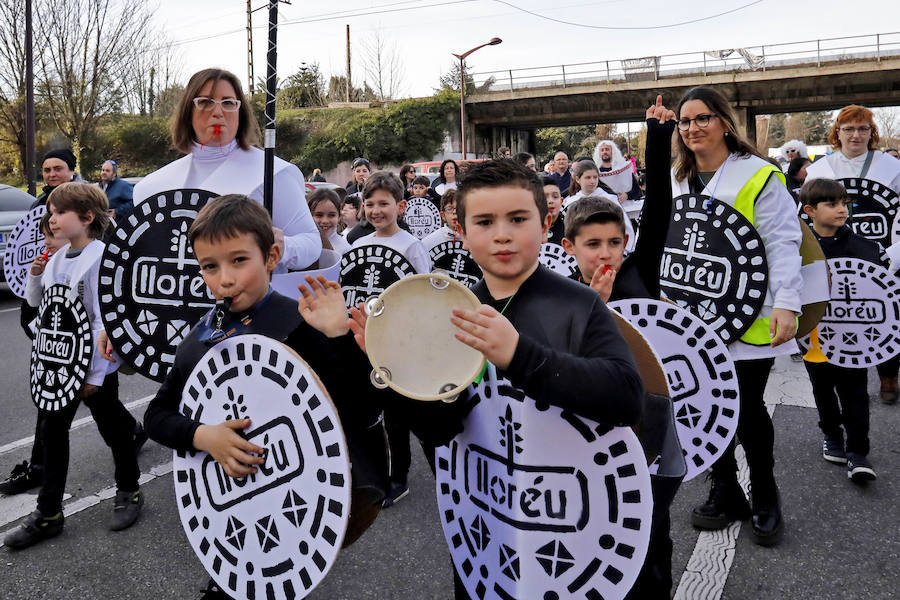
707 204
487 362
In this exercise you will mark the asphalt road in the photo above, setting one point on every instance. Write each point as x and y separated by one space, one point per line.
841 541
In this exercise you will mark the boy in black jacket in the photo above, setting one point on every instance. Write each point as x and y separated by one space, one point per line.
826 203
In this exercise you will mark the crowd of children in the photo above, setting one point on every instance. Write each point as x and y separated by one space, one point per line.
503 212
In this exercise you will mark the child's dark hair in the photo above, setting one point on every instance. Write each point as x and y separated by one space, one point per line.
383 180
421 180
581 167
448 198
499 173
547 180
592 209
45 224
83 199
230 216
323 195
822 190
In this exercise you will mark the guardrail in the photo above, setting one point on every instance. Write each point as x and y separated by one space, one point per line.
873 47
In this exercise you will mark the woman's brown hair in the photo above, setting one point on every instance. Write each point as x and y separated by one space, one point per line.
685 160
182 127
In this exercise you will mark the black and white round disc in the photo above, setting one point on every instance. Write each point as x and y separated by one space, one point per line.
151 290
861 325
275 533
874 214
452 258
25 243
367 271
700 374
538 503
422 217
62 349
715 265
554 257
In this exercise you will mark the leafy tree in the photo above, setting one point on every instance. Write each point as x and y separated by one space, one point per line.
303 89
450 81
337 91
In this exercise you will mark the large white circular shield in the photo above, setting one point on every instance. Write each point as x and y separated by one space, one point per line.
151 290
861 326
276 533
875 215
452 258
700 374
25 243
554 257
538 503
422 217
62 349
366 271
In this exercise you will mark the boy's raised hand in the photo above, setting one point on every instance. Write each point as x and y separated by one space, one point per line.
229 449
357 324
487 331
602 282
660 112
325 309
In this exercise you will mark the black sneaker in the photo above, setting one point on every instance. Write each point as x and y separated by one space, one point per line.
726 503
833 451
23 478
766 522
126 509
398 491
140 437
859 469
36 528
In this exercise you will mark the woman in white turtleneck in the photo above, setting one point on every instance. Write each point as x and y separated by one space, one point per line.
216 128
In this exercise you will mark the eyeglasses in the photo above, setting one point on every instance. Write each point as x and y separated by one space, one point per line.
207 104
450 209
851 130
702 122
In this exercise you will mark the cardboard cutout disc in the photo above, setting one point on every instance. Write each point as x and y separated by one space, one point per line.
648 361
874 212
715 265
816 289
151 290
367 271
555 258
422 216
62 349
701 377
277 532
538 503
25 243
861 327
452 258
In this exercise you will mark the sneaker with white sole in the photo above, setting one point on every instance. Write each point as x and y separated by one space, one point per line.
859 469
398 491
833 451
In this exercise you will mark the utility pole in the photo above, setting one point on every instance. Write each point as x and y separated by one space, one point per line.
249 49
29 104
347 86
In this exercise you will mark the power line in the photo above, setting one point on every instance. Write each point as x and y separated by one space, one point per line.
545 17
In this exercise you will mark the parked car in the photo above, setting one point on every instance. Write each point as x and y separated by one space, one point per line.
312 186
14 203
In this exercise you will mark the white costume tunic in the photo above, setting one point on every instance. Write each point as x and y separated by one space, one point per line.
444 234
884 169
230 170
775 216
403 242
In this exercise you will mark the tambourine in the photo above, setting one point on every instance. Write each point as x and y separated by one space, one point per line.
410 339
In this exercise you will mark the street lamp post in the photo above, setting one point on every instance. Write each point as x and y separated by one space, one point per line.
462 90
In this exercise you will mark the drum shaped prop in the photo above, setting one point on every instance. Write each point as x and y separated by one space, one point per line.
714 265
538 503
62 350
25 243
410 339
277 532
151 290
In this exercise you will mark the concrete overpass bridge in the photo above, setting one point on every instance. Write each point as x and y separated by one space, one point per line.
800 76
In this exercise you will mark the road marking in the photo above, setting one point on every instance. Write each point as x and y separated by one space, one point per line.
77 424
707 569
6 310
13 508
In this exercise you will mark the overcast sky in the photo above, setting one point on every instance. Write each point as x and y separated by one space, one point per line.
426 32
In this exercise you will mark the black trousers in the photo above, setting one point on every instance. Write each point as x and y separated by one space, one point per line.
889 368
397 427
842 399
116 426
755 432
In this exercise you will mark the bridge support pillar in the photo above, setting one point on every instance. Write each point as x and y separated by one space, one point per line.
746 122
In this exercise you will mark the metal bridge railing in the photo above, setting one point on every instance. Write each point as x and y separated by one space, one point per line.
874 47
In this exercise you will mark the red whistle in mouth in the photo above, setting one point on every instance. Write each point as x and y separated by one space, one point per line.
606 269
217 130
45 255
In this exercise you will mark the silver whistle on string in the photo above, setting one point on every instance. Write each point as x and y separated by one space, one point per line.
222 307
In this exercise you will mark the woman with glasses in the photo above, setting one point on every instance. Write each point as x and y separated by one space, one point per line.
215 127
361 171
713 159
854 137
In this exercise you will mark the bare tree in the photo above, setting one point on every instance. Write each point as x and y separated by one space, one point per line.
154 70
12 76
383 66
86 47
888 121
